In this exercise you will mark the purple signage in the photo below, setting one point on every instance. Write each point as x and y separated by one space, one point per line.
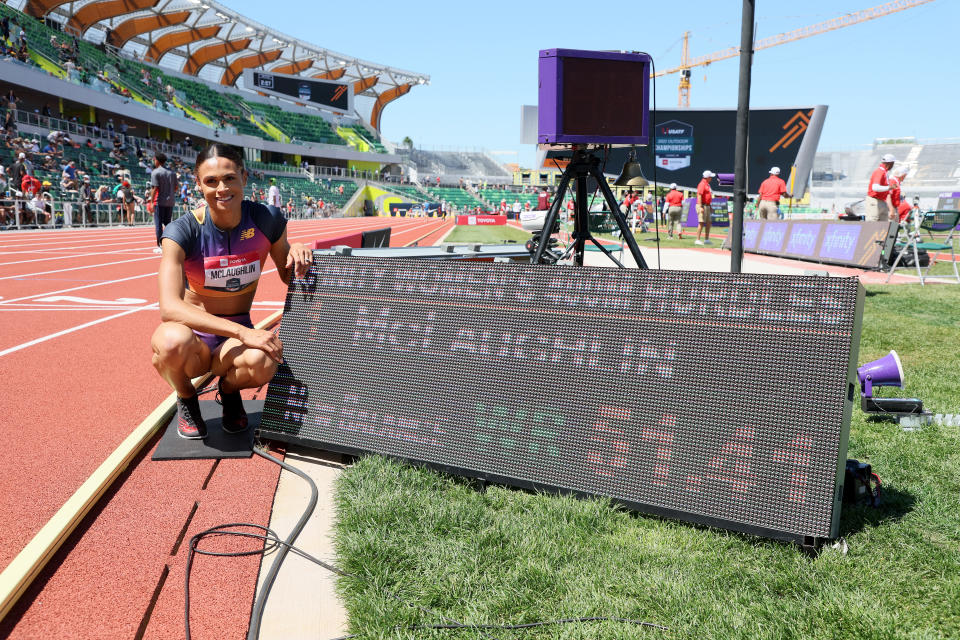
582 94
750 232
803 239
840 241
773 236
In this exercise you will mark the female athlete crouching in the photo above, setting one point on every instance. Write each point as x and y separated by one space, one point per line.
211 263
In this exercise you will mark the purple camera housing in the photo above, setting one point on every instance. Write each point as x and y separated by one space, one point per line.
594 97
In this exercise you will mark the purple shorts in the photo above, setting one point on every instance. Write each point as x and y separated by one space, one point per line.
213 341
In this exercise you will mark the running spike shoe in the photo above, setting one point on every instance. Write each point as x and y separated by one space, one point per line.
190 424
234 415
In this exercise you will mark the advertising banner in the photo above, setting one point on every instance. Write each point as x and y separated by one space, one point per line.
686 142
412 209
482 219
855 244
720 217
321 93
674 145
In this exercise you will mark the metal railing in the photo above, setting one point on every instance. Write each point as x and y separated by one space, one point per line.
93 132
49 212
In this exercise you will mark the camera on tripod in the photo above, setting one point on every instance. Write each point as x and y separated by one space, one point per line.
589 100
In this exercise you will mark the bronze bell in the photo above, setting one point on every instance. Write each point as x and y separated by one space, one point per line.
631 175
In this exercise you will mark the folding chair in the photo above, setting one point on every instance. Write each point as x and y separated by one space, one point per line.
943 223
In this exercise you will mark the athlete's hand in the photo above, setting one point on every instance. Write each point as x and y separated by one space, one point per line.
266 341
299 257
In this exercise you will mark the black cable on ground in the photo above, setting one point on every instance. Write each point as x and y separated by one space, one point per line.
272 541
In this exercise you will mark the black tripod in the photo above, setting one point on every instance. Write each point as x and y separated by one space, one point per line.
584 163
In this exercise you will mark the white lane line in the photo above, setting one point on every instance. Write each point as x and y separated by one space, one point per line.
308 234
85 286
75 255
80 300
70 330
89 266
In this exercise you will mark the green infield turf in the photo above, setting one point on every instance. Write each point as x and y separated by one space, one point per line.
483 234
506 556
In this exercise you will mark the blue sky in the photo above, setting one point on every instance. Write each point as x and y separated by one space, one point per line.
892 76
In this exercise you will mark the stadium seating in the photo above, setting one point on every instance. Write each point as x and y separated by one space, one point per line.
495 196
460 198
298 126
415 194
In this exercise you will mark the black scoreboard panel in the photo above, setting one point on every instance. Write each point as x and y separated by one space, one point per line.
718 398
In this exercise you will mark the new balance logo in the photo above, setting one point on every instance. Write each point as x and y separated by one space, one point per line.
246 234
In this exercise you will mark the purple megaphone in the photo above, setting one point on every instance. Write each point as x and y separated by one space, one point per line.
885 372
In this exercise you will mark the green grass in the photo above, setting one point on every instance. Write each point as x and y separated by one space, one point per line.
487 234
507 556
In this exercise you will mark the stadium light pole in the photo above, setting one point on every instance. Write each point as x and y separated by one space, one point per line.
743 131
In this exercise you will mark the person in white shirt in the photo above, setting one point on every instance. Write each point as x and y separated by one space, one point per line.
273 194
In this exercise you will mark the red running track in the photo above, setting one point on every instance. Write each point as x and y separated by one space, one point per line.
77 308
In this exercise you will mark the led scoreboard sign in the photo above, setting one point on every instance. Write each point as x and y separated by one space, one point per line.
722 399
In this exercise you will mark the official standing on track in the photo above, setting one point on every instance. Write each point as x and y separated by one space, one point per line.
877 202
273 194
163 194
704 207
673 203
211 265
771 190
895 180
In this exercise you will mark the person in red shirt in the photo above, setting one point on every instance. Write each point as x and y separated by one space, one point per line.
877 202
704 208
904 209
895 180
673 205
770 191
543 200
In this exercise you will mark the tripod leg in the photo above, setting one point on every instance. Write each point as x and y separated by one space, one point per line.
581 225
618 216
551 217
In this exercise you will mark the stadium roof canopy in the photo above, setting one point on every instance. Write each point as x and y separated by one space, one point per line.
206 39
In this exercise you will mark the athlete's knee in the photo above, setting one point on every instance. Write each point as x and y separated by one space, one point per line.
261 366
172 342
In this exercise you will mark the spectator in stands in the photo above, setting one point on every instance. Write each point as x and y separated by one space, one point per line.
87 198
704 208
5 27
771 190
273 194
68 179
163 193
19 169
516 209
877 203
673 206
22 54
49 164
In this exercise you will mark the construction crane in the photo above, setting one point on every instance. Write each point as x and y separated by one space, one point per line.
687 63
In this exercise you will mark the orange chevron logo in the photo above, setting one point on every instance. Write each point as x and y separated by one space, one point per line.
794 128
342 89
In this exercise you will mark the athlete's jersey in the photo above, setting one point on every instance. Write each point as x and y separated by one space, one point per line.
226 263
